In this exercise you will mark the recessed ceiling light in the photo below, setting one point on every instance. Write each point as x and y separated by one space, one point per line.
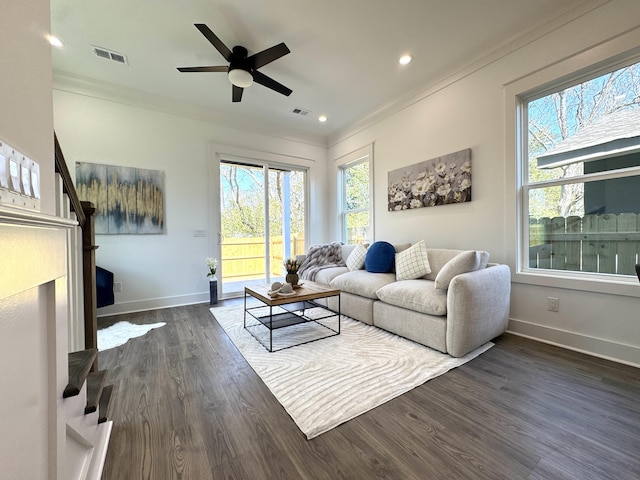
55 41
405 59
322 118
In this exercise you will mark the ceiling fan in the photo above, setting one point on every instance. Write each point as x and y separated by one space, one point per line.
242 70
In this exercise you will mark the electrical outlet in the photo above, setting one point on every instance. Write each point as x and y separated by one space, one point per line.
117 287
553 304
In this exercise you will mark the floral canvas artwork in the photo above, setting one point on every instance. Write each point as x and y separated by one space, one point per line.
439 181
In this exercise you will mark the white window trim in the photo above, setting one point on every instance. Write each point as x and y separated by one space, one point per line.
605 57
360 155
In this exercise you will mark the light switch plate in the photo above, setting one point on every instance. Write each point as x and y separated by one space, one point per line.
19 179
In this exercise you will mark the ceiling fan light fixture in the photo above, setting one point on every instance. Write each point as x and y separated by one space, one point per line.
240 78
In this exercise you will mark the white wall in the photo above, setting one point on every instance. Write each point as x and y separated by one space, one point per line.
468 111
27 419
25 87
166 270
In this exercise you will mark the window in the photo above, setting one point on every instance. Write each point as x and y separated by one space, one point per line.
581 175
356 201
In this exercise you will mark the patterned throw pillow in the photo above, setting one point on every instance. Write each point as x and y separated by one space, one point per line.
412 262
355 261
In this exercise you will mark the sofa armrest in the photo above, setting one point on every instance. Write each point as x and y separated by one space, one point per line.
478 305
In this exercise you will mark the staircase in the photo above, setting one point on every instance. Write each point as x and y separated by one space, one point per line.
86 405
98 395
85 399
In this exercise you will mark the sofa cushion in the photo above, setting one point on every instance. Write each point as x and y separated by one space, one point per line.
380 258
464 262
400 247
413 262
325 275
419 295
355 261
346 250
361 282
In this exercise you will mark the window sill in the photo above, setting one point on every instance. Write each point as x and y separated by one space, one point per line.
608 284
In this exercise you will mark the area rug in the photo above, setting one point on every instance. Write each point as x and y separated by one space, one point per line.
119 333
328 382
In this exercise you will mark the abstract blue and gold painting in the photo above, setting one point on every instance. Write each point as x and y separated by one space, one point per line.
127 200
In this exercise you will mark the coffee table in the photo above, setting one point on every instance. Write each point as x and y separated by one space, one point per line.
280 312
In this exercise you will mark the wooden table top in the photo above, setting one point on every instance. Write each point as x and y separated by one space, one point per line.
307 291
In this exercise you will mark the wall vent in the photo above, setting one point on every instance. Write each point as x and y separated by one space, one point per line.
301 111
109 54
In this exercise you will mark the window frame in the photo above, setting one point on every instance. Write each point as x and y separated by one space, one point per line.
518 93
362 155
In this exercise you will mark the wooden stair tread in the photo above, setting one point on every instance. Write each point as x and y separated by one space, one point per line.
105 399
95 383
79 366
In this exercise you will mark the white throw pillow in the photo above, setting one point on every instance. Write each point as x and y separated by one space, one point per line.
413 262
355 260
464 262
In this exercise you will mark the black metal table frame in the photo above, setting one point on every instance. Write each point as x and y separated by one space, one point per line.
294 314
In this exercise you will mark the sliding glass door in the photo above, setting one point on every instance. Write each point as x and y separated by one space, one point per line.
262 211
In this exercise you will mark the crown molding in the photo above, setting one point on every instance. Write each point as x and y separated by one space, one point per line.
508 47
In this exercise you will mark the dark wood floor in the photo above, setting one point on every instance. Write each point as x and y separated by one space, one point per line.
187 406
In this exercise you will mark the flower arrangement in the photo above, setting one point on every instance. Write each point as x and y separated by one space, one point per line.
291 265
212 264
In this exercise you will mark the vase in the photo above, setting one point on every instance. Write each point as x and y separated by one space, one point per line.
292 278
213 291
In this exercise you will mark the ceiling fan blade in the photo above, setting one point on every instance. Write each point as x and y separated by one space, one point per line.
237 93
269 55
221 68
215 41
269 82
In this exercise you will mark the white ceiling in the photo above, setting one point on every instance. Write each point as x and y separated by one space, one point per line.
343 61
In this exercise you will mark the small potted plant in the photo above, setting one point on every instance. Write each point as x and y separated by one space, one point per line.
212 264
291 265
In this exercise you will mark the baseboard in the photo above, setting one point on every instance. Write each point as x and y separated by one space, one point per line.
597 347
153 304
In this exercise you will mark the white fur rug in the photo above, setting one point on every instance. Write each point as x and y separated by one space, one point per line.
119 333
328 382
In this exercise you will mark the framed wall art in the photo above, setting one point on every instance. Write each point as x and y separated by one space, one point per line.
127 200
439 181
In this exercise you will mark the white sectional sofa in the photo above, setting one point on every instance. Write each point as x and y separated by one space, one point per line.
460 305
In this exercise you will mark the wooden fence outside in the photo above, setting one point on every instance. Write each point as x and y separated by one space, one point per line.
244 258
606 243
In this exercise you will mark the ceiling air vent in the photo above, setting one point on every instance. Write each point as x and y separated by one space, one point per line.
301 111
109 54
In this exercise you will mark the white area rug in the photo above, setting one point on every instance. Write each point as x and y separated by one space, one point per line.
330 381
119 333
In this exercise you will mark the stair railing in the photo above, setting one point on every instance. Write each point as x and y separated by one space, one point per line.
83 308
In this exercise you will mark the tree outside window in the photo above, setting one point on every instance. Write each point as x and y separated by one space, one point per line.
356 201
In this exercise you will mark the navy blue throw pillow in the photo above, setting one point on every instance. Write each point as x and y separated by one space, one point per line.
380 258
